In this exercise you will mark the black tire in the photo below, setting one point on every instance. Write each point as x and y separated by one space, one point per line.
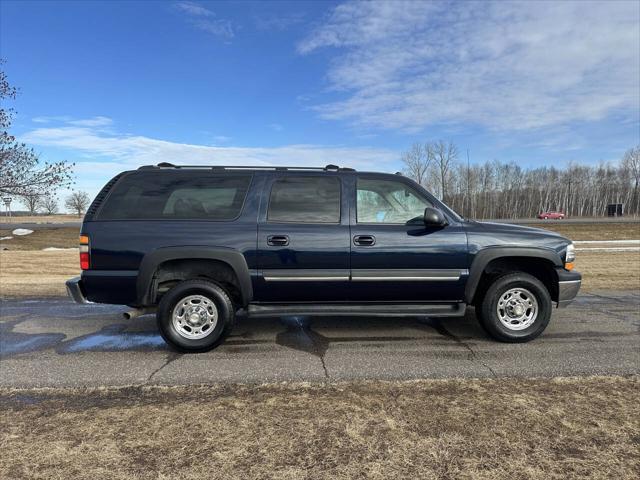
217 333
487 312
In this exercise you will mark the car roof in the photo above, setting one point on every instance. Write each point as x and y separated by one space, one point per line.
256 168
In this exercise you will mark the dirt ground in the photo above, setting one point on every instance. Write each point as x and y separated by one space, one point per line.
447 429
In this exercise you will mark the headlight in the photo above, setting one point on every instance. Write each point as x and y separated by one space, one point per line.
570 257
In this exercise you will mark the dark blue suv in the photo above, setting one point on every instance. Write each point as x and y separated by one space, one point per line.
197 244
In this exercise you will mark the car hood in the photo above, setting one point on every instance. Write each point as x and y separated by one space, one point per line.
489 234
511 228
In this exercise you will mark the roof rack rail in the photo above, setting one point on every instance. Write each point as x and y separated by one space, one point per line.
328 168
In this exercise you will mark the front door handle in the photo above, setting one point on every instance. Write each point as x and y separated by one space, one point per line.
364 240
278 240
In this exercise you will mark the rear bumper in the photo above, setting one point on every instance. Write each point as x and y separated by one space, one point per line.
569 283
74 290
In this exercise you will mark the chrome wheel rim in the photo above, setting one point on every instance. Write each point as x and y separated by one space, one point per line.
194 317
517 309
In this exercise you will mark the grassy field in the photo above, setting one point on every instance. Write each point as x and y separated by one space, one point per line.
58 218
39 239
446 429
594 231
25 273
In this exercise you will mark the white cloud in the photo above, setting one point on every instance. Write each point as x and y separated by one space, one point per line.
92 122
48 119
194 9
502 65
206 20
100 154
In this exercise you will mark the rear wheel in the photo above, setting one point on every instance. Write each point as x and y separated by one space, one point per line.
195 316
516 308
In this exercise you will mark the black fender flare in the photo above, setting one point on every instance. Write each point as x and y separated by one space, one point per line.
483 257
153 259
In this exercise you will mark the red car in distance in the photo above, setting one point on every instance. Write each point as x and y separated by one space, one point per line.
551 215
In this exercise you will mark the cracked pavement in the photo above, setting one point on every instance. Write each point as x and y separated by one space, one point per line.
54 342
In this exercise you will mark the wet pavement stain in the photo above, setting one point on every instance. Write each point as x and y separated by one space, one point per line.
14 343
113 338
300 336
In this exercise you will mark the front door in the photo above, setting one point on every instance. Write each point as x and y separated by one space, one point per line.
303 239
394 256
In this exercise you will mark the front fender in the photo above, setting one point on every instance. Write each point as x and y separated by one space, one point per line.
483 257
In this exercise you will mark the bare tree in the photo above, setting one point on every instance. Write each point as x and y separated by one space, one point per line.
50 204
77 202
416 163
32 202
444 156
631 162
20 171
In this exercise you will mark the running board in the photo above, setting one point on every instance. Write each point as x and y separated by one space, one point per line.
358 309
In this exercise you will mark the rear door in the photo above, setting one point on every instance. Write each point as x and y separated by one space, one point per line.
303 239
394 256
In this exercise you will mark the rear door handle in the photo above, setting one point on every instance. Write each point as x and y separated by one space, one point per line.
364 240
278 240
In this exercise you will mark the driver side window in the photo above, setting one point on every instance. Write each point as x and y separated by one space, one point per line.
386 201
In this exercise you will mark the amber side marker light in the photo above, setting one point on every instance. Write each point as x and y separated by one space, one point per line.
84 252
568 265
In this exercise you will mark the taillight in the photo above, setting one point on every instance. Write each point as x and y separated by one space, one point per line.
84 252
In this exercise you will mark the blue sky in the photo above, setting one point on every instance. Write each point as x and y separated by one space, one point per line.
113 85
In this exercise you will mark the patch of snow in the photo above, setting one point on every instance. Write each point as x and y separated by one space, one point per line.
48 249
6 238
22 231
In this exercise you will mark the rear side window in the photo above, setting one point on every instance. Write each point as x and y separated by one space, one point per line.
176 195
305 200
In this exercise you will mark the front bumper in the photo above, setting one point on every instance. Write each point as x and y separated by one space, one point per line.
568 286
74 290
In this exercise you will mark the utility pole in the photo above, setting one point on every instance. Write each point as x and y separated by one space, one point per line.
469 184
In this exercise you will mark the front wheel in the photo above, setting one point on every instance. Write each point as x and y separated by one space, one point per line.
516 308
195 316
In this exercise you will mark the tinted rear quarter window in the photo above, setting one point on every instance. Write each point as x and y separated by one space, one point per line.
176 195
305 200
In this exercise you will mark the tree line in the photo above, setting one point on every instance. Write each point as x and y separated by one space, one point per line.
497 189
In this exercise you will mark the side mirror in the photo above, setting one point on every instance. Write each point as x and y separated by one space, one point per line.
434 218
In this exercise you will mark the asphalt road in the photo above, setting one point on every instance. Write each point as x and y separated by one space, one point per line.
50 343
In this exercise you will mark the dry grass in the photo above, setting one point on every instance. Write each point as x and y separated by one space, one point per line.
39 239
30 274
61 218
594 231
480 429
609 270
